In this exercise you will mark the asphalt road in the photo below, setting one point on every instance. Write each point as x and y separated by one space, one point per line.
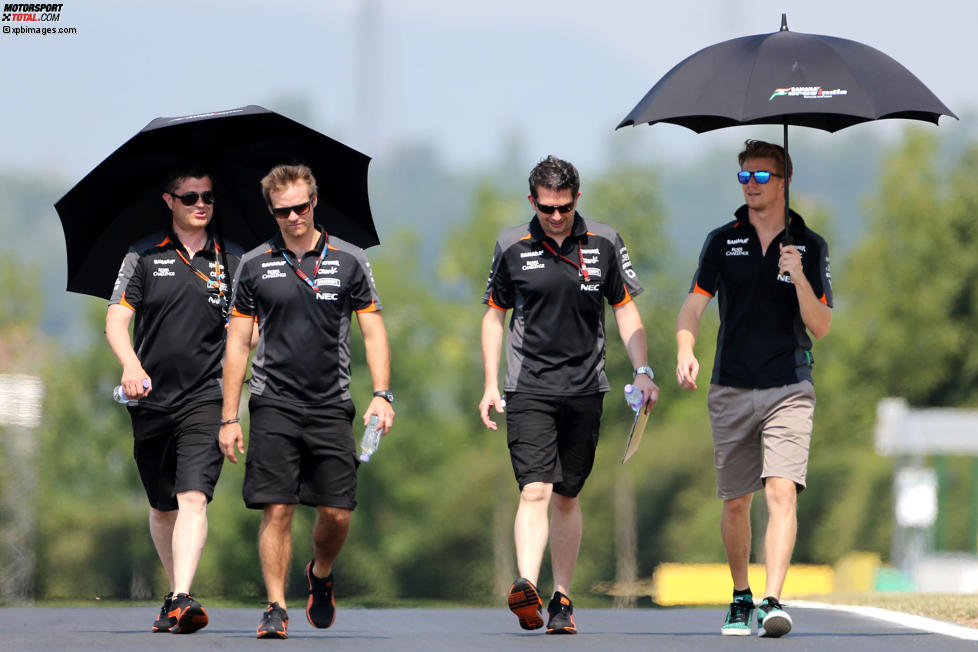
601 630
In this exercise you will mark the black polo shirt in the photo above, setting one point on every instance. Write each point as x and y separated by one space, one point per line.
762 341
179 327
303 354
556 343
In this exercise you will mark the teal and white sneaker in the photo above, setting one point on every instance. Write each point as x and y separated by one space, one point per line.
772 620
739 617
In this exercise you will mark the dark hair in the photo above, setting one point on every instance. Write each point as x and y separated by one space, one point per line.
282 176
554 174
176 175
761 149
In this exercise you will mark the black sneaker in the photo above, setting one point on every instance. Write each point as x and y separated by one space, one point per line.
321 608
274 622
561 612
188 613
164 622
525 602
772 620
737 622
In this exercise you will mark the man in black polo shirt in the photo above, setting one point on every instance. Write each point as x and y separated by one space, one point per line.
301 288
555 273
761 397
176 285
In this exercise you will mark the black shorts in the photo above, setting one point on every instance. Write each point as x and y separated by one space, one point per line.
177 451
553 438
299 454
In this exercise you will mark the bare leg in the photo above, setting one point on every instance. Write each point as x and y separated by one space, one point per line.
328 536
566 525
189 535
161 530
531 529
782 528
735 530
275 549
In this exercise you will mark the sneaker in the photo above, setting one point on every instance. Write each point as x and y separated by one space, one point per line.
321 608
187 613
525 602
164 622
772 620
561 612
738 618
274 622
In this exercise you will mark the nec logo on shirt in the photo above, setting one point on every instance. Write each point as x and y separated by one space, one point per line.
327 296
590 287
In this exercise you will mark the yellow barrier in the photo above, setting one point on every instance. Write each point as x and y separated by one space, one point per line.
674 584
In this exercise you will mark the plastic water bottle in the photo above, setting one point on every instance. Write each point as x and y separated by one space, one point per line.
119 395
634 396
371 439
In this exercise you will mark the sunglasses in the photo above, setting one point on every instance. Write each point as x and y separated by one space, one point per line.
547 209
190 198
760 176
285 211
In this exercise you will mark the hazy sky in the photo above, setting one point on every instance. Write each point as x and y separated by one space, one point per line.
464 76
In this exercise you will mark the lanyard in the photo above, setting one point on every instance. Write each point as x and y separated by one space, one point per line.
580 256
208 282
315 271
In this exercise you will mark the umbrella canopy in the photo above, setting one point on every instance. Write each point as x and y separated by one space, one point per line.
786 78
120 201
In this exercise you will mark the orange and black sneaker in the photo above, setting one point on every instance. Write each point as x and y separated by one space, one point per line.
525 602
188 613
321 608
164 622
561 612
274 622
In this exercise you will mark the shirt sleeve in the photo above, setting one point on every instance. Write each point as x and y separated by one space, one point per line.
243 293
817 272
128 289
363 290
707 276
499 289
622 284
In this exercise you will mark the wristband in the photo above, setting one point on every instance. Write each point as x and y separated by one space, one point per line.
227 422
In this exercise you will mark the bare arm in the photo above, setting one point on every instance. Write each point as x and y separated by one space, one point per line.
633 337
687 330
816 315
493 327
235 366
117 319
379 361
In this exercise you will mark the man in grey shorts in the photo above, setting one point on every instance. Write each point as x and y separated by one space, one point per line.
772 292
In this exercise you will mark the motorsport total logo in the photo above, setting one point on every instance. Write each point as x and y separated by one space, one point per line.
807 92
29 13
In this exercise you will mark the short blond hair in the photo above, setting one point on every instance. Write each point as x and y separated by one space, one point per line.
282 176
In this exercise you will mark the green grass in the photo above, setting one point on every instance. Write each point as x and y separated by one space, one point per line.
951 607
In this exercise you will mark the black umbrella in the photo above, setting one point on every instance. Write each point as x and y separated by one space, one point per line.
786 78
120 201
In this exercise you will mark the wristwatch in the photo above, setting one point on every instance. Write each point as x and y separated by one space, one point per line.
385 394
647 370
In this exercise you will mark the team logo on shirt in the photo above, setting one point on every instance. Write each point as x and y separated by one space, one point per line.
533 264
626 262
531 254
164 271
273 273
737 251
590 287
329 280
593 271
327 296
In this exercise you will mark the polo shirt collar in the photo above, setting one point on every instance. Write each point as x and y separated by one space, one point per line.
277 242
175 239
796 225
578 230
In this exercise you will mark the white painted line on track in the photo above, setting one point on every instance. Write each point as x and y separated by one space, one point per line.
895 617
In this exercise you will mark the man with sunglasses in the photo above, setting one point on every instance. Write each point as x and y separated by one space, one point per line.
301 288
175 283
772 293
555 273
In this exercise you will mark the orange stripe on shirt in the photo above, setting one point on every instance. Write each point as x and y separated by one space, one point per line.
699 290
823 299
123 302
237 313
627 298
495 305
371 308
